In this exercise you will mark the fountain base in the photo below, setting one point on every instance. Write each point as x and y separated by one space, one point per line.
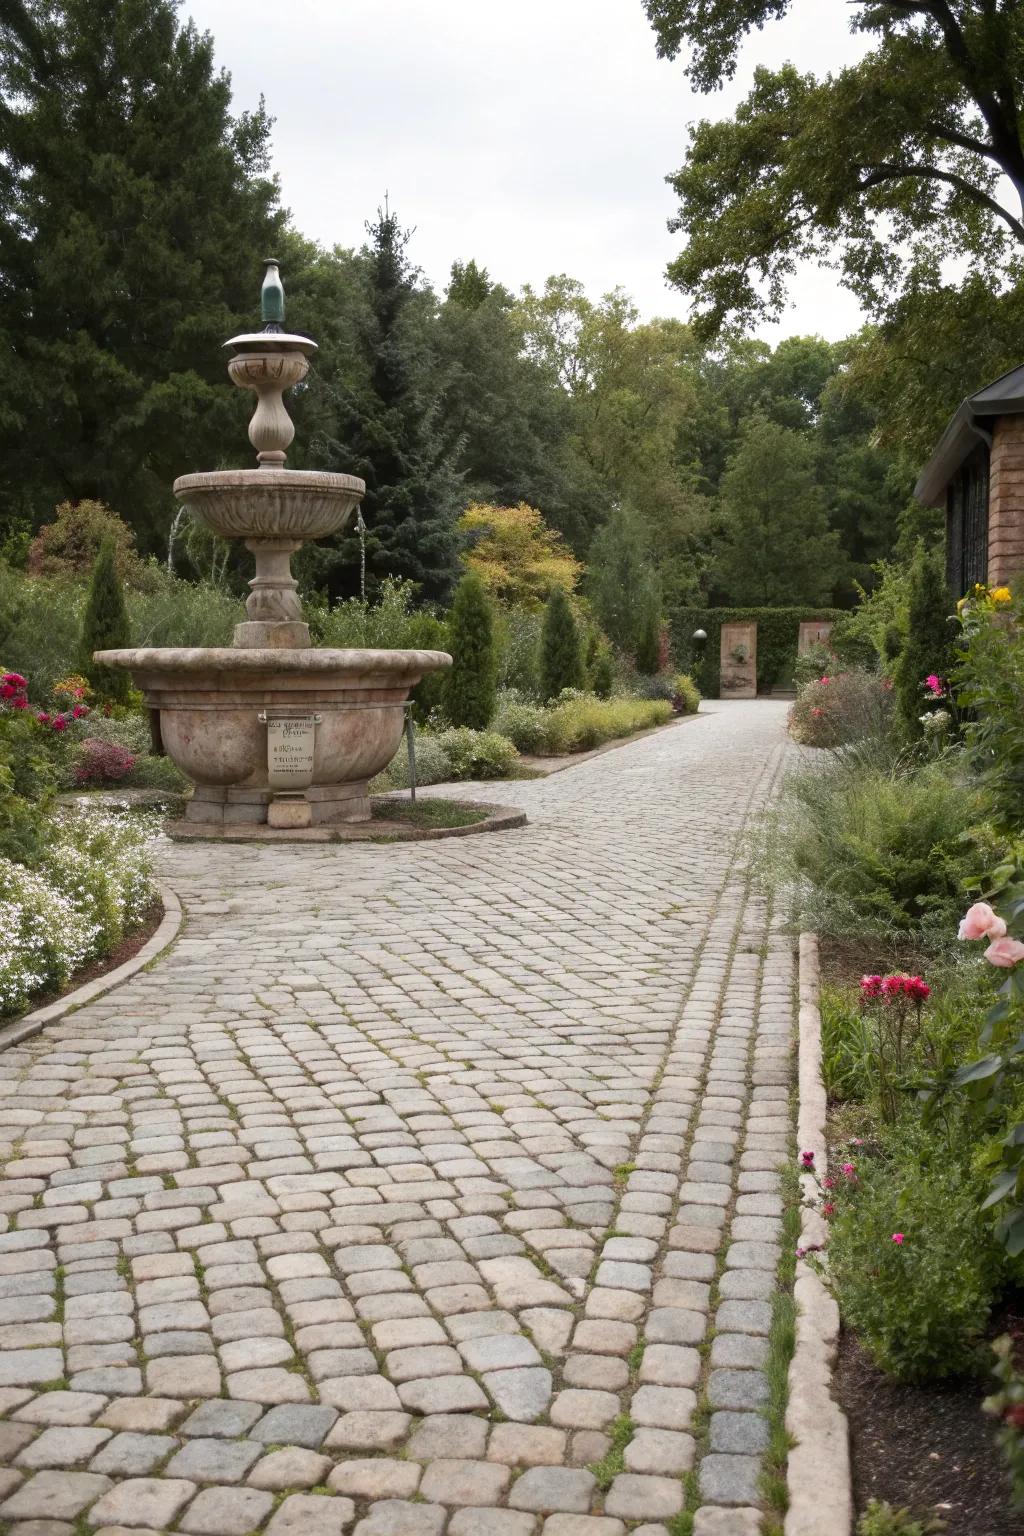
277 739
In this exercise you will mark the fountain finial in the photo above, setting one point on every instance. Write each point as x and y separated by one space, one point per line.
272 296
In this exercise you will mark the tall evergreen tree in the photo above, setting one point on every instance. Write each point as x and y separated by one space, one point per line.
105 625
621 579
561 656
471 685
389 433
134 210
777 547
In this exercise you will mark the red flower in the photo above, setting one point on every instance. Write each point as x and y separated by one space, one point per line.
21 702
1013 1413
59 723
43 717
916 988
15 679
871 986
79 710
828 1209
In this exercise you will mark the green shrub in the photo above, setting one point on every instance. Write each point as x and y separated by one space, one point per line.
188 613
687 694
391 623
579 725
832 711
817 661
477 754
602 672
40 627
991 683
845 1047
525 725
432 765
880 1519
157 773
69 546
928 641
105 626
879 849
517 636
561 661
648 635
778 632
913 1261
470 689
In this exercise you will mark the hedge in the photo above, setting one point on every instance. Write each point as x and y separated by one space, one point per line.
778 631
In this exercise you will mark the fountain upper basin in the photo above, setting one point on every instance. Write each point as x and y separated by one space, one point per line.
296 504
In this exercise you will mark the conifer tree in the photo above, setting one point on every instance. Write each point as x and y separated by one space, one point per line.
928 642
105 625
134 210
388 433
648 634
472 682
561 661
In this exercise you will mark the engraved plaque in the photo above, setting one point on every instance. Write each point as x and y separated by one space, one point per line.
290 752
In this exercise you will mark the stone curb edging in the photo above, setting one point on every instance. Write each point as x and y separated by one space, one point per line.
819 1474
167 931
500 818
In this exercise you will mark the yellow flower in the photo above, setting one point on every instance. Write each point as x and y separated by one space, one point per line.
1000 594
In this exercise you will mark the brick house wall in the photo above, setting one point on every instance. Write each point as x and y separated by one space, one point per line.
1006 501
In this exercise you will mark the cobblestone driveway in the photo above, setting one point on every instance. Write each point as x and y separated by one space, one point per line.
410 1171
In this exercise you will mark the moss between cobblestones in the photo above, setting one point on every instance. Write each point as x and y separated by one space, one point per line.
613 1461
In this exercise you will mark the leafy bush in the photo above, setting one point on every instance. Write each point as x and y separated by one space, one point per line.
517 634
102 762
469 693
477 754
40 626
69 546
561 660
525 725
914 1262
177 612
686 695
390 623
432 765
602 672
876 849
817 661
128 730
991 682
651 686
833 710
928 641
157 773
579 725
880 1519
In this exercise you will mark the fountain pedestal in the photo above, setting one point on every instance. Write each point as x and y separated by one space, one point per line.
220 709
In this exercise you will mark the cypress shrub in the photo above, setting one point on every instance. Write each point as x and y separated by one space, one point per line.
105 625
471 686
928 643
602 672
648 638
561 664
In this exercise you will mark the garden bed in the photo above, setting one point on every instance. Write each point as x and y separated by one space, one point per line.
126 949
928 1449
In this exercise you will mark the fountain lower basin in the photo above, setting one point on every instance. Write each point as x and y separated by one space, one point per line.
213 707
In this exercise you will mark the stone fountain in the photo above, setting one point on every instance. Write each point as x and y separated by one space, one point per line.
277 736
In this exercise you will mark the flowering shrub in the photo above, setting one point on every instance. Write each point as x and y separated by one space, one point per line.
525 725
912 1260
477 754
102 762
838 708
92 884
990 681
686 695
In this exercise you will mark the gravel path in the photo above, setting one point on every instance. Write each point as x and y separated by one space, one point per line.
416 1181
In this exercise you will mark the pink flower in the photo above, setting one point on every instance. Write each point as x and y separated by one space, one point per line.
897 1238
917 988
43 717
887 684
980 922
79 710
829 1183
15 679
934 684
816 712
824 680
850 1170
892 986
1005 953
59 723
871 986
21 702
828 1209
856 1141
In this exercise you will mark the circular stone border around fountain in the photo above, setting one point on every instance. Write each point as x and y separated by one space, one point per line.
499 818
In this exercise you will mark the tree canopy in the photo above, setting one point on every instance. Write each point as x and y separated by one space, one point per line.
881 169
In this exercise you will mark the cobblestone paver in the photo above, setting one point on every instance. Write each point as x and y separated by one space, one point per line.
412 1176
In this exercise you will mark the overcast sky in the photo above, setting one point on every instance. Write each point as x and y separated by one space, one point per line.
534 135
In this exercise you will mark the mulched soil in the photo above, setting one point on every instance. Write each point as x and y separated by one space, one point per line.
126 950
931 1450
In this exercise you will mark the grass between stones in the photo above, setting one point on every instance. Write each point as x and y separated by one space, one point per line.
428 813
781 1347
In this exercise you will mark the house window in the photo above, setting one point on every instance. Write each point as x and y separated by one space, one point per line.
967 523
